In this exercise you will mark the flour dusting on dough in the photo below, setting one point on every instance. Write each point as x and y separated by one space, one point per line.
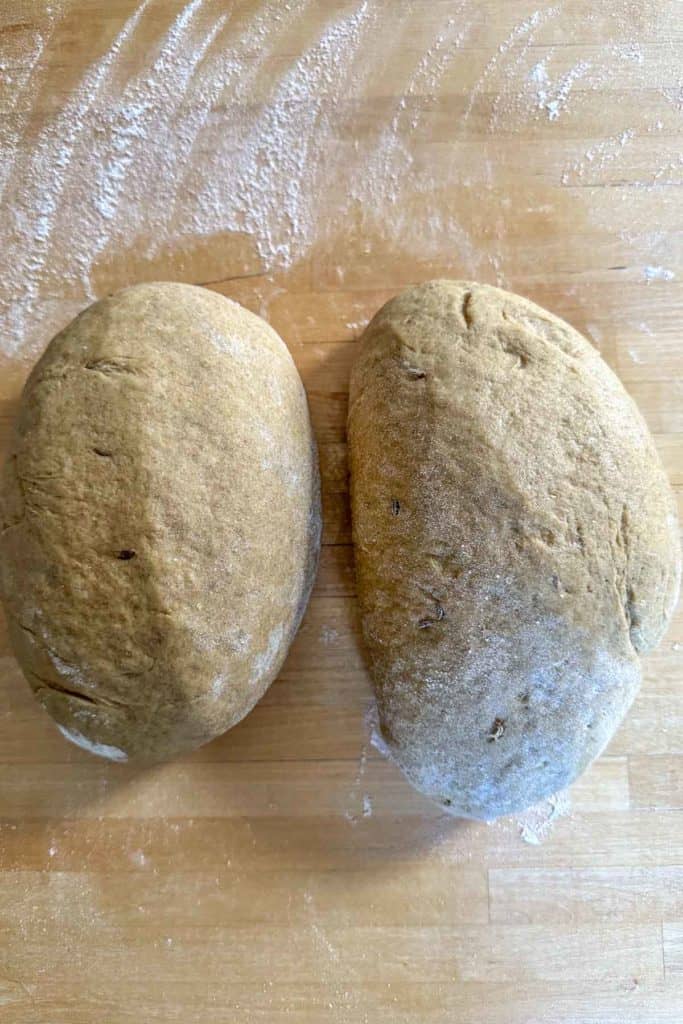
66 670
101 749
218 687
264 662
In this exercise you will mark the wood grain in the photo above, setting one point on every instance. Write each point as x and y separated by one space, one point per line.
286 872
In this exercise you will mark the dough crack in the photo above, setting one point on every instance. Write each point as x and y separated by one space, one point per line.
109 367
66 691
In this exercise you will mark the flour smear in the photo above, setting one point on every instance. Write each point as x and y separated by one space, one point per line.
281 125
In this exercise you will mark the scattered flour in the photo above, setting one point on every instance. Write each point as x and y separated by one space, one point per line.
598 157
34 210
329 636
554 98
25 75
632 52
517 35
326 948
102 749
207 133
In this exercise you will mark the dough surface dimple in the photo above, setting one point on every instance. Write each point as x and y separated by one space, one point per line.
161 520
515 538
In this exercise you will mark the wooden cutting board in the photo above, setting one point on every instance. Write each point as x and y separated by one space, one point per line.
309 159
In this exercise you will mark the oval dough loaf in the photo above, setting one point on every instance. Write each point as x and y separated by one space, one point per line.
515 539
161 520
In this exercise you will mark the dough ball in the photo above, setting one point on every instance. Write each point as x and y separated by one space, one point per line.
515 539
160 518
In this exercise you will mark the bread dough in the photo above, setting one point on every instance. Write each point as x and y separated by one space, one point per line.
161 520
515 540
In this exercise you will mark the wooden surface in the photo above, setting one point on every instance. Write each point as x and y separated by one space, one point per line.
286 872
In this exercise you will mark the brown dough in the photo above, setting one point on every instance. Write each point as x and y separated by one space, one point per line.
516 543
161 520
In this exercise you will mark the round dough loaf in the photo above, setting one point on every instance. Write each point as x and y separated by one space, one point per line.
161 520
515 540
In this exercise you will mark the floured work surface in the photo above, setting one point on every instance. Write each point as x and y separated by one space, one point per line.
309 160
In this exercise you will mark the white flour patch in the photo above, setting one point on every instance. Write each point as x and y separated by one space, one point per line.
329 636
539 72
357 326
376 738
101 749
536 824
658 274
360 805
234 345
674 95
